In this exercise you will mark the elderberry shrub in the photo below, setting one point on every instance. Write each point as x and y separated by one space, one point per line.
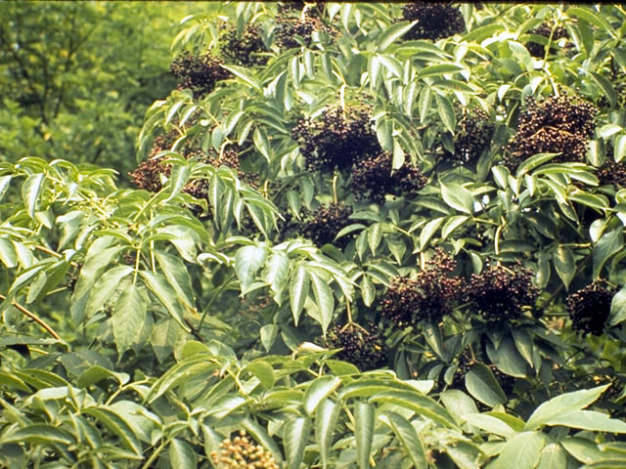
546 30
590 307
560 124
499 294
336 141
241 452
473 136
434 20
432 294
199 73
364 348
245 50
373 178
326 222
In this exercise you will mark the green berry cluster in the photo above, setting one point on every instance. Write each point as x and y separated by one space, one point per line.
241 452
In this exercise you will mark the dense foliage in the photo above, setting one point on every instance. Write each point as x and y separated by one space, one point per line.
359 235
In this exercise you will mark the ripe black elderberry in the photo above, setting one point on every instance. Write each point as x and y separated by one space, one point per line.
612 173
499 294
288 29
434 20
150 174
545 29
336 141
245 50
326 222
431 295
473 136
364 348
372 178
198 73
561 124
590 307
241 452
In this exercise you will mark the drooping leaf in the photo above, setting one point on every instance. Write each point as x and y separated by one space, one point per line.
319 390
523 451
182 454
295 437
105 287
298 291
248 260
458 197
162 290
563 404
408 437
483 386
31 189
364 414
325 423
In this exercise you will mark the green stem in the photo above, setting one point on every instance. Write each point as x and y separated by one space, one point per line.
155 454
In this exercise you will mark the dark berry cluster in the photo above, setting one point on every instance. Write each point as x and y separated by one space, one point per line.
200 74
364 348
241 452
334 141
289 30
473 136
546 30
431 295
561 124
434 20
612 173
199 188
151 174
618 80
372 178
590 307
246 50
499 294
326 222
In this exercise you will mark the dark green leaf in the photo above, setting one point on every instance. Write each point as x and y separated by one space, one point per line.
483 386
408 437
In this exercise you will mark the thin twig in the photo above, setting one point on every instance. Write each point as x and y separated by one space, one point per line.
39 321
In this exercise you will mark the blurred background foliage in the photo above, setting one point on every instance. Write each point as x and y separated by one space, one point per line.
77 77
